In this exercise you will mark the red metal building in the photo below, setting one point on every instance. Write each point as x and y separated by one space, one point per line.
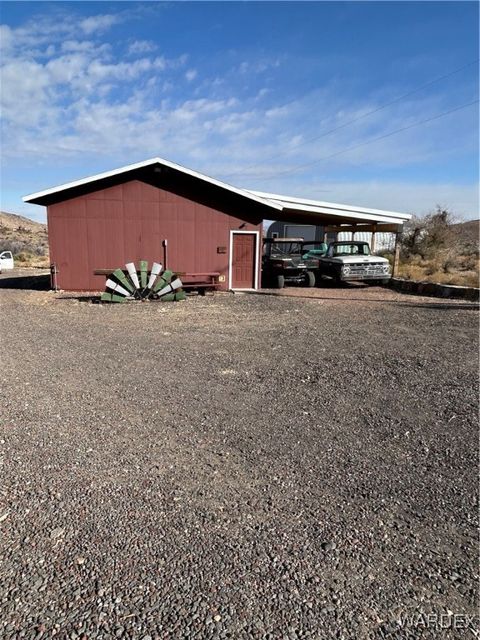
127 215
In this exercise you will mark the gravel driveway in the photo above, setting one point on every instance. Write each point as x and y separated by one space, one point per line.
238 467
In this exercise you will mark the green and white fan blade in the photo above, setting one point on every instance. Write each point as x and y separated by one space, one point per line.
123 280
117 288
176 284
132 272
156 270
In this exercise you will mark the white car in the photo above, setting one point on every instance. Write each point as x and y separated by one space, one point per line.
6 261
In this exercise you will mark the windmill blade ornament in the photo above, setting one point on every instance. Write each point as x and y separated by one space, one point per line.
154 273
132 272
140 284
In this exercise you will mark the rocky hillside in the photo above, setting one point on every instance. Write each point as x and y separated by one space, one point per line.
26 239
467 233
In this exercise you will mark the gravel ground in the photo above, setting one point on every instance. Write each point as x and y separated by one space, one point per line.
238 467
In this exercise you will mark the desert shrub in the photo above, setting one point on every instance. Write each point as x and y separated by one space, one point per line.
428 235
386 254
18 247
468 262
432 248
22 257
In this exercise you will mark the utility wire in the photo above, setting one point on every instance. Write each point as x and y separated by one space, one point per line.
362 144
349 122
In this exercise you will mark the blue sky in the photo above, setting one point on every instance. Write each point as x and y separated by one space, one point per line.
248 93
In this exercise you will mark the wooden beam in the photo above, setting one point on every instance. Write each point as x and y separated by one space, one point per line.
372 241
396 256
378 228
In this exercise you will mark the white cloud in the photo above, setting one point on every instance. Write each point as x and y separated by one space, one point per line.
191 74
86 46
258 65
6 38
141 46
98 23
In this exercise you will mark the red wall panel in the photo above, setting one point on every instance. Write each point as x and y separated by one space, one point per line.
128 222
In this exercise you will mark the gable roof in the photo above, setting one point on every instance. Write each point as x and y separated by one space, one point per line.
278 206
37 198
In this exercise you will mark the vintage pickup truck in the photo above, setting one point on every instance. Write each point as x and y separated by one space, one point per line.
350 260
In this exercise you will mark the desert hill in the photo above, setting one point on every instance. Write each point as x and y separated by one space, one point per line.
467 233
25 238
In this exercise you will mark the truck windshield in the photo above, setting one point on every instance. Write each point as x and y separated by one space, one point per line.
285 248
351 249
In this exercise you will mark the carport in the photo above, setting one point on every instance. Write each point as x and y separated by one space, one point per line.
337 218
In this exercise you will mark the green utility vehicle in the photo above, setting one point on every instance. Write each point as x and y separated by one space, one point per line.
282 263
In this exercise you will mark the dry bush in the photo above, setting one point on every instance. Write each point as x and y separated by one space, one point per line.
17 247
27 259
433 250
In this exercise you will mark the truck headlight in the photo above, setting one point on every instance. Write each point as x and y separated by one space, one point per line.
386 268
346 270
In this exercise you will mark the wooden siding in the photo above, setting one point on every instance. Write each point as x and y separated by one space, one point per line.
127 223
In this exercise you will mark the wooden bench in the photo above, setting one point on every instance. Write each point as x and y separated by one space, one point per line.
201 282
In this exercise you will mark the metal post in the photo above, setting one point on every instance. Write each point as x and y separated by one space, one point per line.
53 277
164 244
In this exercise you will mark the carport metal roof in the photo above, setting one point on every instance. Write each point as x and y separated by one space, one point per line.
301 209
276 207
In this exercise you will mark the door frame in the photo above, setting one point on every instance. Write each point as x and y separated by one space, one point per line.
257 258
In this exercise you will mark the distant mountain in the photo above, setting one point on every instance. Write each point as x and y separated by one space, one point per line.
25 238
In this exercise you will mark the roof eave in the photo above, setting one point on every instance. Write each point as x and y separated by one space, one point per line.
36 198
289 202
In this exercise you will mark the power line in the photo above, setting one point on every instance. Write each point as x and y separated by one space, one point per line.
362 144
349 122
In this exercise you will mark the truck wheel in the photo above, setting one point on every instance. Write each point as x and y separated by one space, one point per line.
309 279
279 282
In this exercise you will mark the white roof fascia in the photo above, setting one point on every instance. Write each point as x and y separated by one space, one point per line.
146 163
342 213
287 201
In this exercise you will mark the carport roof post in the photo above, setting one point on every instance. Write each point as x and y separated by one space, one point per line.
274 206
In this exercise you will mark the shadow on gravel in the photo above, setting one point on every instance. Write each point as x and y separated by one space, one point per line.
40 282
441 306
91 298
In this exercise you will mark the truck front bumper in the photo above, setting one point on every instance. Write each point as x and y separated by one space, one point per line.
358 276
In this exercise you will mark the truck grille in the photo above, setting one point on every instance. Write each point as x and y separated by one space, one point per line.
370 269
